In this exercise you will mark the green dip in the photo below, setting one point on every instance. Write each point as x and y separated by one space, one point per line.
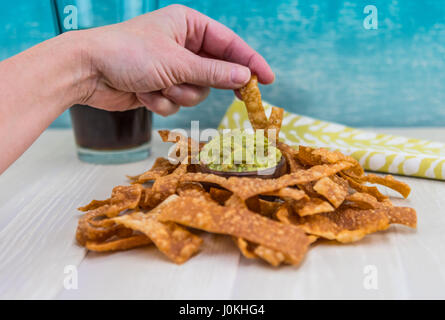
239 151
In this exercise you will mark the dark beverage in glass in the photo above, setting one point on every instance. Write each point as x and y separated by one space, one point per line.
102 136
111 137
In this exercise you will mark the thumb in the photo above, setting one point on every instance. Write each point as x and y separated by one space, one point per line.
214 73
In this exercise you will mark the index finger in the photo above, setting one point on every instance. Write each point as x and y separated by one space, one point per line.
205 35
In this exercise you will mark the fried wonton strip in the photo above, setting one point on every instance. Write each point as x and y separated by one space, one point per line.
177 243
311 156
166 186
94 204
122 198
245 248
349 225
118 244
356 185
274 257
268 208
274 122
312 206
252 99
290 154
388 181
363 200
248 187
404 216
287 192
88 232
161 167
251 250
209 216
219 195
332 191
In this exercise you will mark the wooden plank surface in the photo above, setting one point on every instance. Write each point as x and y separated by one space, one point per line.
38 200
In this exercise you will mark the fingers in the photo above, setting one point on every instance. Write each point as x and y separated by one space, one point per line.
207 35
186 95
157 103
207 72
168 101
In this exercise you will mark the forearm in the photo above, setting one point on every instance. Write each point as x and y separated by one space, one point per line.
36 86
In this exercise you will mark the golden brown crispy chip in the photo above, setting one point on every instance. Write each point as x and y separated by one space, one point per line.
122 198
349 225
248 187
274 122
245 247
87 231
166 186
289 193
94 204
363 200
403 215
252 99
118 244
311 156
219 195
274 257
311 206
174 241
358 186
290 154
390 182
333 192
161 167
207 215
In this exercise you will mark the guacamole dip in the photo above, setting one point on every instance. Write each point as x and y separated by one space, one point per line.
239 151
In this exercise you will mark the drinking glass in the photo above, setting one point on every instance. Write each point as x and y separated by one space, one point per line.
101 136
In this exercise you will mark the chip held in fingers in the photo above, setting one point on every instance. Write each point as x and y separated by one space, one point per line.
275 219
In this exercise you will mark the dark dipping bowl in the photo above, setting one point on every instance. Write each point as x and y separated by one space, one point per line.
270 173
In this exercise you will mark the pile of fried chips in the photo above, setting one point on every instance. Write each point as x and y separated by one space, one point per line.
323 195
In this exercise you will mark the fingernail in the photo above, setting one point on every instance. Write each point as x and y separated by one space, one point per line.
240 75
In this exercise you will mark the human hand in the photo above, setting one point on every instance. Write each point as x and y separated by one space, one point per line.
165 59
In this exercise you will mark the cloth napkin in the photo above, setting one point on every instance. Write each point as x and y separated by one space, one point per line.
375 151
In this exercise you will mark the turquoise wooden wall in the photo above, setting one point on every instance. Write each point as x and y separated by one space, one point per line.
327 64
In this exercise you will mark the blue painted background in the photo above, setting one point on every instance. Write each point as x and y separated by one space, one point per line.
327 65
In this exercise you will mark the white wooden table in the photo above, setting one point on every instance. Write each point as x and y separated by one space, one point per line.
38 199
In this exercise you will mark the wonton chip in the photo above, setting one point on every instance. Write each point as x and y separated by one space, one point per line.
118 244
311 156
312 206
390 182
290 154
219 195
349 225
161 167
252 99
207 215
363 200
358 186
248 187
274 123
174 241
287 192
332 191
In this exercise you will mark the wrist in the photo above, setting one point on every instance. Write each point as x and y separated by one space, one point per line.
78 64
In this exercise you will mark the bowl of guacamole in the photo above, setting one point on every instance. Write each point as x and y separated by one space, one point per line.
241 153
